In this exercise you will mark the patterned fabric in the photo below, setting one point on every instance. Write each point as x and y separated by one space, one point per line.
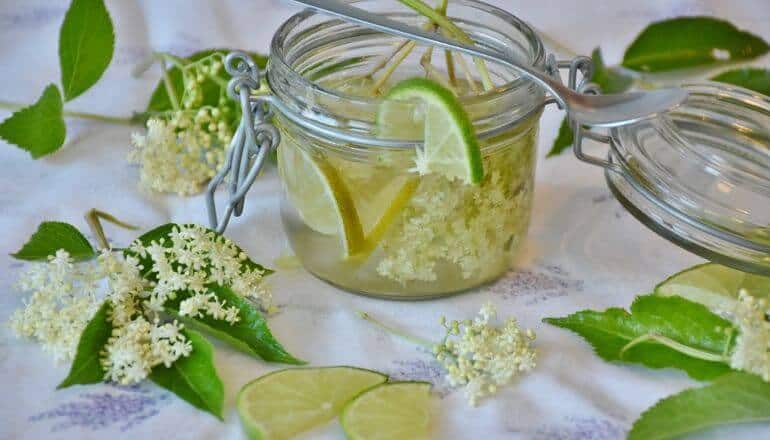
583 250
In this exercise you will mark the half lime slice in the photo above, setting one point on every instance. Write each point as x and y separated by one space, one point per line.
395 410
320 196
450 147
285 403
713 285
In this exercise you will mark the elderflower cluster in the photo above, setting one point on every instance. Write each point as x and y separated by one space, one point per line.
183 149
752 345
65 295
481 356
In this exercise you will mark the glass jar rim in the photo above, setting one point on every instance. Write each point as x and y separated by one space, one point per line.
279 65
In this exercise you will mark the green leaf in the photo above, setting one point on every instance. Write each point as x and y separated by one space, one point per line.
250 334
194 378
86 44
609 79
52 236
86 367
691 41
160 101
563 140
754 79
673 317
38 128
733 398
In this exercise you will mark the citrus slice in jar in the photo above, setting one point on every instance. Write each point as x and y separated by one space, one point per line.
450 147
716 287
396 410
282 404
320 196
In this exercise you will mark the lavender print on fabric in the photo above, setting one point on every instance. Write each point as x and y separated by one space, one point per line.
121 406
536 285
581 429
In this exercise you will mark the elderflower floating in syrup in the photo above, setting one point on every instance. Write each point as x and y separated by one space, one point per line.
139 284
478 354
481 356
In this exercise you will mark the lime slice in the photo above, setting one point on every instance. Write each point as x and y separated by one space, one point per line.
396 410
713 285
285 403
320 196
450 145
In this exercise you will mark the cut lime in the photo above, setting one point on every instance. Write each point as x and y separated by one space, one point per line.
285 403
713 285
396 410
450 145
320 196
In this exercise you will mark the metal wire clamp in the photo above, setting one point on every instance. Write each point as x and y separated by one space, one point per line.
250 145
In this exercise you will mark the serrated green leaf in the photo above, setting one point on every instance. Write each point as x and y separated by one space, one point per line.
563 140
52 236
673 317
86 367
754 79
609 79
194 378
39 128
160 101
691 41
86 45
731 399
250 334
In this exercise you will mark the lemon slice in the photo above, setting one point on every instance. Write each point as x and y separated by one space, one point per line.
713 285
396 410
283 404
320 196
450 145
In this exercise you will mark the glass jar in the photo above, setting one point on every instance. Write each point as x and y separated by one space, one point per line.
356 213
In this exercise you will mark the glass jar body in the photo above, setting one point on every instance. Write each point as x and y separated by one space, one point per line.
355 211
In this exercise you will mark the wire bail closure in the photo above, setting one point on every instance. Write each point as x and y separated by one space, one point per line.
585 66
250 145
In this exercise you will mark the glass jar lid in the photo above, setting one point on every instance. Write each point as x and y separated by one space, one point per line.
699 175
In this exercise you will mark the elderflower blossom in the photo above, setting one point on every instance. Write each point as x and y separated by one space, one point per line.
752 345
481 356
65 295
63 299
184 148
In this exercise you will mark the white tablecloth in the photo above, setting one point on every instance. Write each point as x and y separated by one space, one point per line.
583 249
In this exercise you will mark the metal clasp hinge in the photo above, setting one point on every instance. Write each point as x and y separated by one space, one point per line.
250 145
585 66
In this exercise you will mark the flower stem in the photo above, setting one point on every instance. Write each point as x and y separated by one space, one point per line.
677 346
94 218
454 31
82 115
403 335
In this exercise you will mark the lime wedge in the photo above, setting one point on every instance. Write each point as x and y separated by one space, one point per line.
713 285
285 403
320 196
450 145
396 410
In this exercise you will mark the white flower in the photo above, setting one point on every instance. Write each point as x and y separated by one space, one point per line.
64 297
752 345
482 357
